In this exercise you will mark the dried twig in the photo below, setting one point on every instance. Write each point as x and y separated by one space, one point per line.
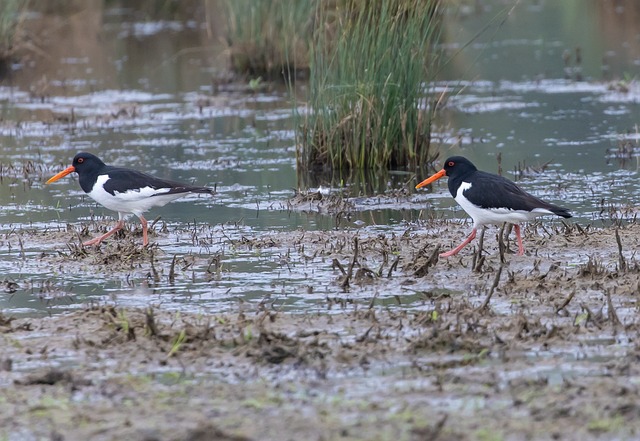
502 247
478 258
622 263
393 266
345 282
336 264
172 269
566 301
432 260
491 290
151 322
611 312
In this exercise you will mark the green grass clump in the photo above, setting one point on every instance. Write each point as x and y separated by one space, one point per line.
269 38
370 66
11 13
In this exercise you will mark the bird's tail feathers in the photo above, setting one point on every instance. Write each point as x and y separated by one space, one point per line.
563 212
208 190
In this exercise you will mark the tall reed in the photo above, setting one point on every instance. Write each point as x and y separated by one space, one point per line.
269 38
370 67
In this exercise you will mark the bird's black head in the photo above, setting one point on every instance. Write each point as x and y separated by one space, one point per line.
85 164
458 166
455 168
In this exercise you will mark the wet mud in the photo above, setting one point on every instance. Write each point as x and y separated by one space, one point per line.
349 328
485 345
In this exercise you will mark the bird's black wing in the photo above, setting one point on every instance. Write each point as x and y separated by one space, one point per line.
123 180
493 191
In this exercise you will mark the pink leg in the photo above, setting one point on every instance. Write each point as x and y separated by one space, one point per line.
145 237
519 237
461 246
111 232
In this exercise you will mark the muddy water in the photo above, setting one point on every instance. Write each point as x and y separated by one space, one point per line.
326 307
145 91
537 89
151 94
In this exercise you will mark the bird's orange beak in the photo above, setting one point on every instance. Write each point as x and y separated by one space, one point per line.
62 174
427 181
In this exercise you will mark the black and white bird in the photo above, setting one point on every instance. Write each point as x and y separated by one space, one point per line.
124 190
490 199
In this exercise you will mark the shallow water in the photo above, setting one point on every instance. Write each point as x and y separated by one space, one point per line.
137 95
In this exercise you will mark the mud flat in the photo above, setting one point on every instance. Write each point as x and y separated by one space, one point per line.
409 347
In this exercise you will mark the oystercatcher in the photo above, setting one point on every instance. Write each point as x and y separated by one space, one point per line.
124 190
490 199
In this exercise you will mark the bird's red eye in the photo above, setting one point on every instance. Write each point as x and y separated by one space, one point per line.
80 160
451 163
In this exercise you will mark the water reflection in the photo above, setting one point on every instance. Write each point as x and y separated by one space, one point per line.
138 86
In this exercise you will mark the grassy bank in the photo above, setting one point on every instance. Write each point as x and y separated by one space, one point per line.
370 66
10 17
269 39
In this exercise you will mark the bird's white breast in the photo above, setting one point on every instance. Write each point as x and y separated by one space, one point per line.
131 201
485 216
